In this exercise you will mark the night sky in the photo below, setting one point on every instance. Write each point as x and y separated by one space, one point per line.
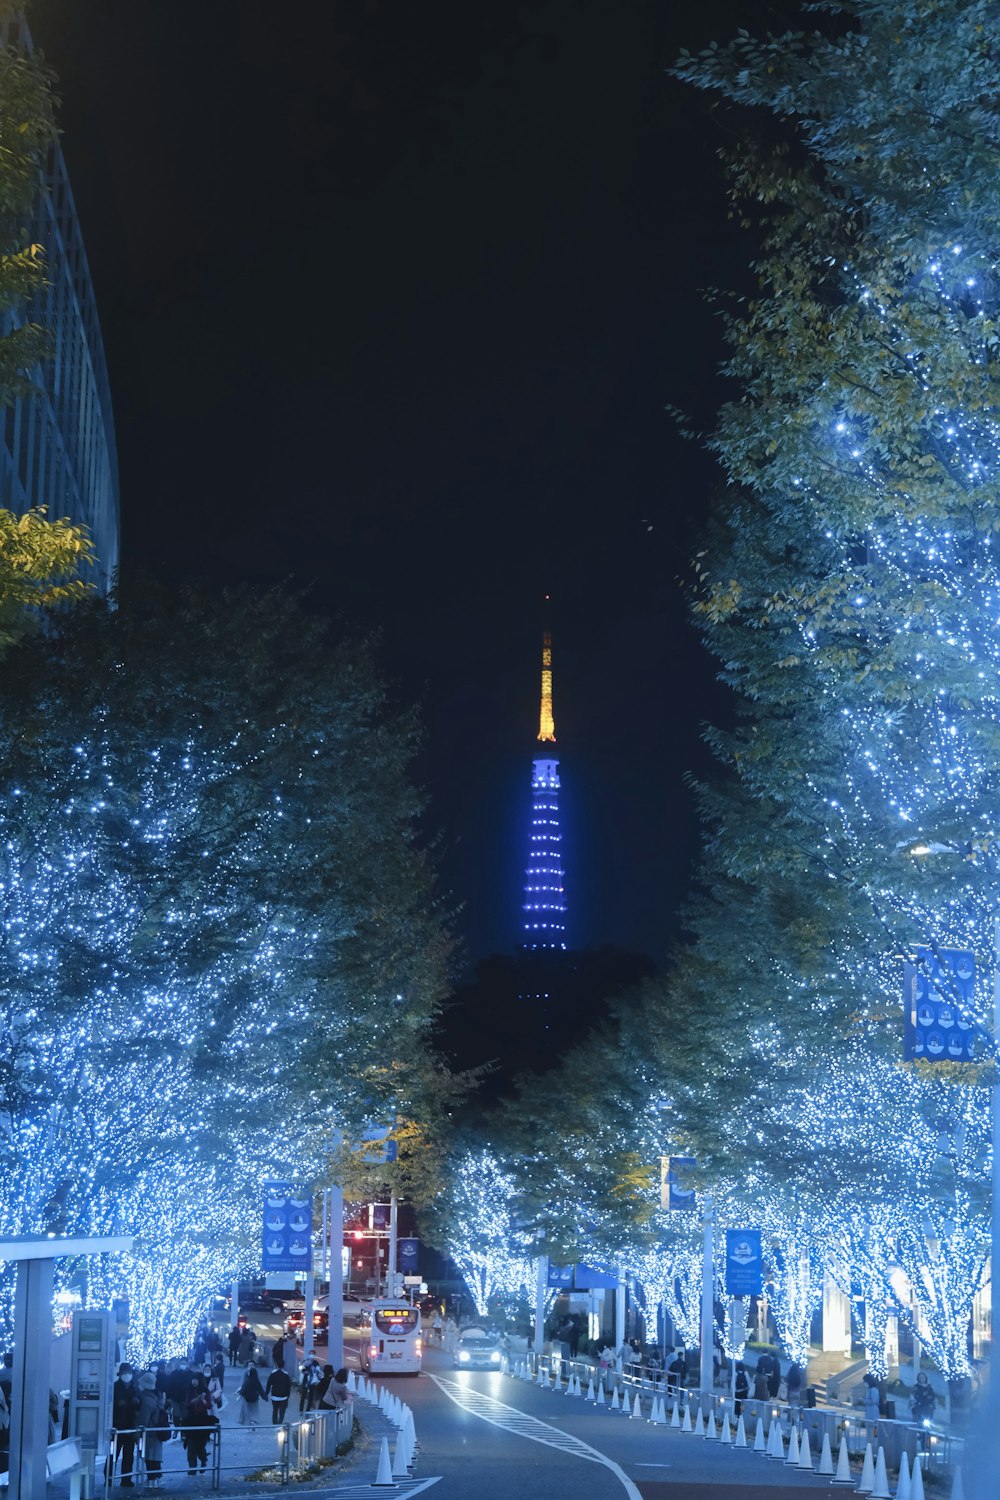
394 296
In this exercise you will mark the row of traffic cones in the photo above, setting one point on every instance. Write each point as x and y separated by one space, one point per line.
397 1466
874 1480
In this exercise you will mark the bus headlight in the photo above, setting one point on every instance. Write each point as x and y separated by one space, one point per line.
463 1356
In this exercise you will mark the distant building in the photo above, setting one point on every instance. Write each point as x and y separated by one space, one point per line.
58 448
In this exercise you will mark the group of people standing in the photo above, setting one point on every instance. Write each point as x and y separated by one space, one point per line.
171 1394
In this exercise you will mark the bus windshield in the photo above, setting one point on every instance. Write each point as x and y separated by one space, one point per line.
396 1319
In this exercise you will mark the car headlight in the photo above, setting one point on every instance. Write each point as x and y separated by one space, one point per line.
463 1356
495 1357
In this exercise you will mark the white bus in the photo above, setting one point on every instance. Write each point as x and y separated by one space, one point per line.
391 1343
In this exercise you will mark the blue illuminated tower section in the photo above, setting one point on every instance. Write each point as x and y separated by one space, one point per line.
544 892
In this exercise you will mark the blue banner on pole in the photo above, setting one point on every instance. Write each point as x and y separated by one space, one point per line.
674 1194
938 999
744 1276
408 1256
287 1230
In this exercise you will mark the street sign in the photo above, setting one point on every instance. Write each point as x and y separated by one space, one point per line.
560 1276
287 1228
744 1276
938 1000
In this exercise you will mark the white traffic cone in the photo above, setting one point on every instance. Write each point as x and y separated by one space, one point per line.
352 1384
686 1423
880 1489
590 1389
726 1435
805 1452
867 1481
637 1408
917 1480
759 1446
903 1483
384 1478
826 1456
776 1441
542 1377
399 1458
793 1447
615 1403
657 1416
711 1431
675 1415
600 1401
957 1488
843 1474
740 1440
699 1426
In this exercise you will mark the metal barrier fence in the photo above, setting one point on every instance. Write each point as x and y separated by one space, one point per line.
283 1447
939 1450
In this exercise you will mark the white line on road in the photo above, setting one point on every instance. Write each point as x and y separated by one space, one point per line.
404 1487
511 1420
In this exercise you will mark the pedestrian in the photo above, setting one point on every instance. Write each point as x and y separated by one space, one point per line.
278 1352
176 1386
125 1420
198 1422
154 1418
277 1391
234 1343
247 1341
213 1386
336 1394
871 1398
761 1381
309 1378
742 1387
437 1327
772 1364
322 1386
251 1394
219 1371
794 1382
923 1400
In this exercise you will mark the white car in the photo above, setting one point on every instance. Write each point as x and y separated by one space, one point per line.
477 1350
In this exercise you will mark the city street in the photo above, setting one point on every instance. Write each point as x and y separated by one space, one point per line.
490 1436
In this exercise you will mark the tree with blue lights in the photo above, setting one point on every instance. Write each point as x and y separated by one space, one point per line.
221 938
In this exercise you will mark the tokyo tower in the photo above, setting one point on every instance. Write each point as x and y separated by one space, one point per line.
544 893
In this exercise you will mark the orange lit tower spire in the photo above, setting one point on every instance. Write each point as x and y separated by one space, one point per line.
544 892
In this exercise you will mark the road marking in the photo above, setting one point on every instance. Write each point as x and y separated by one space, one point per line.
510 1419
358 1491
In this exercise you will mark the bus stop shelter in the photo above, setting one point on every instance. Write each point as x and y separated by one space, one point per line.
36 1256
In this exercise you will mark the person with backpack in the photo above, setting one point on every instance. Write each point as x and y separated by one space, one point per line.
251 1394
154 1418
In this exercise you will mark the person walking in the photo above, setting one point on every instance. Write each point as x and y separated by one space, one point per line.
871 1399
761 1382
234 1343
247 1341
198 1422
794 1383
278 1352
154 1418
277 1391
125 1420
251 1394
742 1387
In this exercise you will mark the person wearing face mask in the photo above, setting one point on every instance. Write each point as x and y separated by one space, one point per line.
125 1404
214 1386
